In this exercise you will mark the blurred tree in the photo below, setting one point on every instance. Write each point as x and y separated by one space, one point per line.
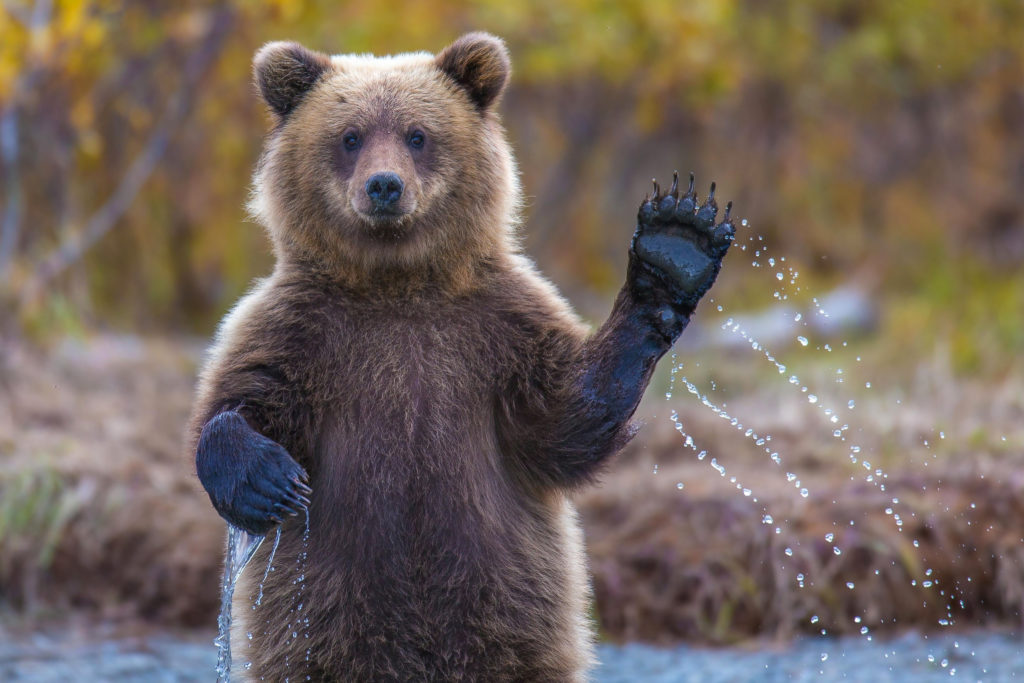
847 131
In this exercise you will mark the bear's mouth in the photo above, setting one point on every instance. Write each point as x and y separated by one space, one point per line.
385 216
387 226
390 213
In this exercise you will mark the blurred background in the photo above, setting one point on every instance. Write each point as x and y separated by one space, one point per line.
874 147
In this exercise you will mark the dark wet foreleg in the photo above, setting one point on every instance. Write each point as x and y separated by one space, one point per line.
675 256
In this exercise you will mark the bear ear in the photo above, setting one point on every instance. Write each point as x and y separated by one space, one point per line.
284 73
479 63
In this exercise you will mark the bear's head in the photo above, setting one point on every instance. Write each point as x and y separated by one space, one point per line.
385 165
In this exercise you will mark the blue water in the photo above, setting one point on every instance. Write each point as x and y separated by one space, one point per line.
977 656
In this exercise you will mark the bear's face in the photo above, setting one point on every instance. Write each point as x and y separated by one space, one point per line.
385 162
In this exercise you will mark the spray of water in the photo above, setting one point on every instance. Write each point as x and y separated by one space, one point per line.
834 416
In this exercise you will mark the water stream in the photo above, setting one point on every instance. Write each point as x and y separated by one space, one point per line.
241 546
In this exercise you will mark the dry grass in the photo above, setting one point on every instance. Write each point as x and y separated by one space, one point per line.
97 508
100 512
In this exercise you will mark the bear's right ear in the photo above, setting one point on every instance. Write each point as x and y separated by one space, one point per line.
284 73
479 63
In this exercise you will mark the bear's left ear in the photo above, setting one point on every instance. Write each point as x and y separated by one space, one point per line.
479 63
285 72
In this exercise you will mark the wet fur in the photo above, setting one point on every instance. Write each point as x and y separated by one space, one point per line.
441 395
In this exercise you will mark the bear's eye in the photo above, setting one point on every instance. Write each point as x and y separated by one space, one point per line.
417 139
351 141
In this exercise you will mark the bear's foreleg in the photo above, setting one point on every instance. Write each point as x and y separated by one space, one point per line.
674 258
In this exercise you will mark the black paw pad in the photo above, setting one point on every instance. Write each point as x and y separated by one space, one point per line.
678 241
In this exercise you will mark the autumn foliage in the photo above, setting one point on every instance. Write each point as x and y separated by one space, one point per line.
870 140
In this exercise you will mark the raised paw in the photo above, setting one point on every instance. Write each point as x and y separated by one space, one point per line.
677 248
252 481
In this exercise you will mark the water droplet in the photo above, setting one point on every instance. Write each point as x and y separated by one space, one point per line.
802 340
811 398
270 567
804 493
851 405
789 552
829 536
679 486
850 585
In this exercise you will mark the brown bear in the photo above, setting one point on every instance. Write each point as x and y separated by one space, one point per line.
407 378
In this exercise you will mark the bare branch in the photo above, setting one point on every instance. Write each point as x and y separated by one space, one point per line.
41 14
11 225
34 18
20 14
107 216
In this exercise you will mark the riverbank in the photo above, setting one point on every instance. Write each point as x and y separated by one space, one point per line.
101 513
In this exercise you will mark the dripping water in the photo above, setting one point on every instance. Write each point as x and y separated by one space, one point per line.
241 546
298 621
270 568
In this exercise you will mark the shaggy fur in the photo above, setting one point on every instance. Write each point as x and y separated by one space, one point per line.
440 394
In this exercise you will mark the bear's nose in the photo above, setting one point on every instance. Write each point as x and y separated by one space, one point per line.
384 189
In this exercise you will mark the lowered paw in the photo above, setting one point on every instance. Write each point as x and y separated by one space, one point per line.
252 481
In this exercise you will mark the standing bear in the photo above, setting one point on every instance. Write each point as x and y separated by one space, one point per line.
407 378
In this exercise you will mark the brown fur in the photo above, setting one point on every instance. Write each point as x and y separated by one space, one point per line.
421 372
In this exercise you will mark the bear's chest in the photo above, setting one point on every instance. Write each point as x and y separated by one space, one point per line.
407 401
406 466
409 369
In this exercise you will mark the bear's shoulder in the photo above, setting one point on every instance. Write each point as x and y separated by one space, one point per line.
530 302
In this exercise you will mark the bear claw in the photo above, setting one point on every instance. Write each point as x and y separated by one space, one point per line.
677 239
